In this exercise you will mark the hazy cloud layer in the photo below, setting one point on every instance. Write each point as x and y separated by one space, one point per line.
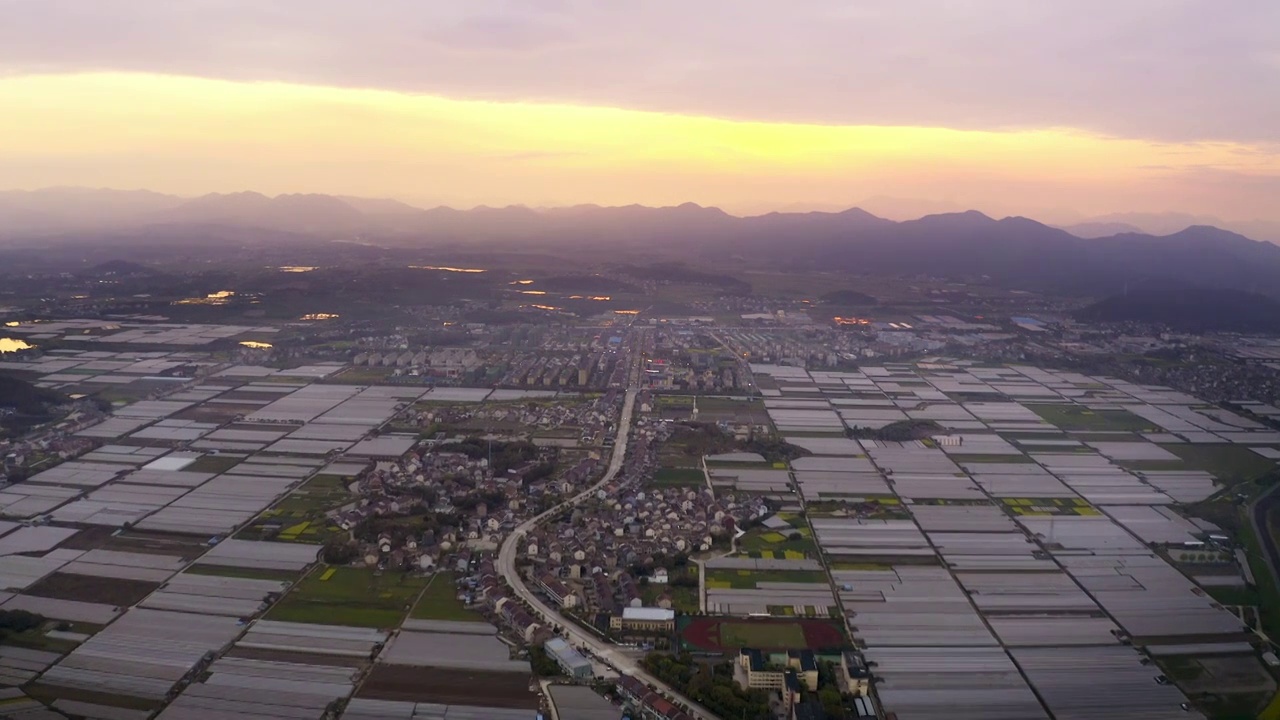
1158 69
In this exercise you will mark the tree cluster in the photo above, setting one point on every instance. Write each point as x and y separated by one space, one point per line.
543 664
710 686
13 622
901 431
505 455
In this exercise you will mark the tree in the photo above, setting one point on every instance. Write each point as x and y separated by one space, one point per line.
831 701
543 664
337 551
18 621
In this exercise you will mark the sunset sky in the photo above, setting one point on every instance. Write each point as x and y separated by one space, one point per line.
1051 108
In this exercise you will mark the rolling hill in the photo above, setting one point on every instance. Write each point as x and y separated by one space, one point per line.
969 245
1188 308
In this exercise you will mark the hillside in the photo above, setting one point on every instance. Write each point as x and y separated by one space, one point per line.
1188 308
848 297
23 404
303 213
1013 251
1100 229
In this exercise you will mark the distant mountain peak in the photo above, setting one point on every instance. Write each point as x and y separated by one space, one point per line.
858 212
694 208
969 216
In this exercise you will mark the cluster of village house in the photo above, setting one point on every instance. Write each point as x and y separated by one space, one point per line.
451 485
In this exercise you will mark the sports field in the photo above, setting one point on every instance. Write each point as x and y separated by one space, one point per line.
723 634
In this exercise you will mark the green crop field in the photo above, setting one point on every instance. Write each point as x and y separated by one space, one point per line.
979 459
763 542
213 463
683 599
361 376
300 515
349 596
440 601
1078 417
320 493
1230 463
748 579
678 477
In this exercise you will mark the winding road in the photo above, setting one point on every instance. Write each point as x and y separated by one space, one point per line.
577 636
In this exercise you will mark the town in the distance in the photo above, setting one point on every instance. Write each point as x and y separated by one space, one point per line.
373 481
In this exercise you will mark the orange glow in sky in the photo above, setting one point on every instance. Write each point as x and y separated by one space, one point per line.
189 136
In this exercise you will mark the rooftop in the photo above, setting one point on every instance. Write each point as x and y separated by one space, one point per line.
648 613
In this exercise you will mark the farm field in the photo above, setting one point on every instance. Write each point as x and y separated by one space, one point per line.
86 588
362 376
978 459
1077 417
449 687
300 515
783 544
1050 506
349 596
213 463
715 409
439 601
678 477
683 599
749 579
238 572
1229 463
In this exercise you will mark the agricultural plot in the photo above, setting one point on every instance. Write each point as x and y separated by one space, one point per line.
1073 418
1229 463
449 687
310 643
367 709
439 601
980 459
213 464
142 655
245 573
300 515
349 596
209 595
678 477
716 409
458 651
684 599
1089 485
115 591
787 543
751 579
674 407
1050 506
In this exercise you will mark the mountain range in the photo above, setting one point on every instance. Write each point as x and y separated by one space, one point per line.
1014 250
